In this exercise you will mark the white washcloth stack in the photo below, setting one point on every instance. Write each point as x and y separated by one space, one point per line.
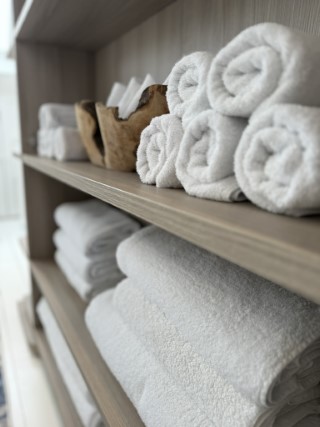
58 136
86 243
197 341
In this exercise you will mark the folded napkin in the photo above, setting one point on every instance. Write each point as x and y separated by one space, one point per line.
133 104
53 115
45 142
117 92
94 226
131 90
67 144
187 89
158 150
262 339
265 64
204 163
68 368
277 160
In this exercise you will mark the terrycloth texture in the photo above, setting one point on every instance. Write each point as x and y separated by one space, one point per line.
67 145
205 160
94 226
158 150
131 90
277 162
68 368
117 92
45 142
52 116
187 89
265 64
148 81
257 336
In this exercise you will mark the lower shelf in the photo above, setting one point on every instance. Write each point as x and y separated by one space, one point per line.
68 308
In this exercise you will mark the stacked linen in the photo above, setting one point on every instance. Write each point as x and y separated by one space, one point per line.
235 349
68 368
86 241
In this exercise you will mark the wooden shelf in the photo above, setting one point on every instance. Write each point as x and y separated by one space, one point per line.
26 313
68 308
82 23
285 250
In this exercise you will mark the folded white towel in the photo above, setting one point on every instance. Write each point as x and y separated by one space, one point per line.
133 104
158 150
205 160
54 115
67 144
277 160
259 337
265 64
117 92
94 226
187 89
68 368
131 90
45 142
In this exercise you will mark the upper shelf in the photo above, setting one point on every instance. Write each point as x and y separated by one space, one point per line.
285 250
82 23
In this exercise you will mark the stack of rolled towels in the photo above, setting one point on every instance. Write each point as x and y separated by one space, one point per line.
242 124
58 136
86 241
195 340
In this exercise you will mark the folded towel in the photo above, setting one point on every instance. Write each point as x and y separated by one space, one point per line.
159 402
187 89
259 337
68 368
52 116
205 160
45 142
265 64
158 150
94 226
131 90
67 144
133 104
212 394
277 160
117 92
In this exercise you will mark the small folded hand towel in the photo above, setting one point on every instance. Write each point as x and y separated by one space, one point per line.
277 162
117 92
133 104
52 116
68 368
158 150
206 154
265 64
67 145
131 90
187 89
94 226
45 142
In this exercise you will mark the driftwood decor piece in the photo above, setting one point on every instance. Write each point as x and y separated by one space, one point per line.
121 137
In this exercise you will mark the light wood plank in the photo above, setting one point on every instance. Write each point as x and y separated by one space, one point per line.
69 310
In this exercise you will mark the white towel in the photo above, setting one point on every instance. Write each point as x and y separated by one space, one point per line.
67 144
53 115
45 142
187 89
117 92
256 335
158 150
265 64
277 162
205 160
133 104
131 90
94 226
68 368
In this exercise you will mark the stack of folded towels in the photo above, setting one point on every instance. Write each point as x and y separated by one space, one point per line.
245 123
58 136
86 241
197 341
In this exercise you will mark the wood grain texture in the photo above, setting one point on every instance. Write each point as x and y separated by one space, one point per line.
68 308
285 250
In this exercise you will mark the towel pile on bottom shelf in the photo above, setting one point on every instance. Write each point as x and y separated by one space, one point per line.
197 341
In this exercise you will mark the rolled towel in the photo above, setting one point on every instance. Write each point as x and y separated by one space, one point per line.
262 339
67 144
117 92
132 88
94 226
187 89
158 150
277 160
54 115
265 64
133 104
158 400
68 368
205 159
45 142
